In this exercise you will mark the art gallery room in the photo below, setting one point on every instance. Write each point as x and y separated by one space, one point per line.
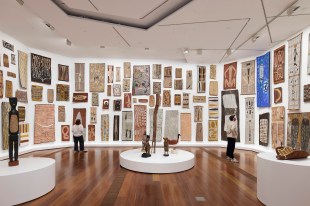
155 102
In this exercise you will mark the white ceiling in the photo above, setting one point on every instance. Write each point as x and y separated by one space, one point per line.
213 26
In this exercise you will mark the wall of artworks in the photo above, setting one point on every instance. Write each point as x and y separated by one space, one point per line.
115 98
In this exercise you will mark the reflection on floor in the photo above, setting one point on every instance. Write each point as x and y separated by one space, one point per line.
95 178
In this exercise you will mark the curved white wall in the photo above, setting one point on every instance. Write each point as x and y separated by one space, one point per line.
57 59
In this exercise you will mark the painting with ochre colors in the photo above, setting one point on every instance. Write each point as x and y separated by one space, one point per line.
22 113
44 123
140 122
248 77
1 84
279 65
167 98
307 93
156 87
168 77
178 72
6 60
8 89
79 76
230 74
116 128
93 115
91 132
23 69
156 71
213 88
294 66
198 111
41 69
21 96
126 85
172 124
80 97
61 113
110 73
96 77
5 109
62 92
199 132
50 95
213 71
213 104
80 113
36 93
127 124
24 134
159 126
117 90
264 129
185 101
189 79
127 100
263 80
186 126
277 126
105 127
127 70
249 120
230 106
298 129
65 132
277 95
141 80
213 130
201 84
95 99
63 73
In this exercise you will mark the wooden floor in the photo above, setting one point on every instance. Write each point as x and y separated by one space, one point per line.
95 178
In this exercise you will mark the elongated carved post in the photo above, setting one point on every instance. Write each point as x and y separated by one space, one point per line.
155 122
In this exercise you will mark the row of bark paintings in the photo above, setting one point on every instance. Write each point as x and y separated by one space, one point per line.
135 97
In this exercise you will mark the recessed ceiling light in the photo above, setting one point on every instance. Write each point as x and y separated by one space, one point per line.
49 26
291 10
21 2
186 51
68 42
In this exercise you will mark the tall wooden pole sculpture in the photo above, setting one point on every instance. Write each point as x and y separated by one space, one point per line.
13 132
155 122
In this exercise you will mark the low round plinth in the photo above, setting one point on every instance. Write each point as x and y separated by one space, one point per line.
157 163
32 178
282 182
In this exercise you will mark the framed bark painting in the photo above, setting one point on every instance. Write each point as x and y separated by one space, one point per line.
140 122
264 129
96 77
201 84
249 120
248 78
263 80
23 69
230 74
63 73
41 69
279 65
79 76
141 80
127 124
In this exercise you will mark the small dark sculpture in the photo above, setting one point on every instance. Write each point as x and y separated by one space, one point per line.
13 132
174 142
147 147
286 153
166 147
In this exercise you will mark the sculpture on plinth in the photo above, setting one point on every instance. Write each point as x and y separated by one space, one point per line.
13 132
146 147
166 147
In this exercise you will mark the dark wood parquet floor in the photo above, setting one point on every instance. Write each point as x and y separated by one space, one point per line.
95 178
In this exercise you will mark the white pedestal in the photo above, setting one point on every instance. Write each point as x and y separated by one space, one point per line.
32 178
157 163
282 182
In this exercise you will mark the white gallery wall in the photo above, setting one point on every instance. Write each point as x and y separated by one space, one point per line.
56 59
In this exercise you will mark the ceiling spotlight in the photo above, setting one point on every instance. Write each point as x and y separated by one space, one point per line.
68 42
228 52
49 26
199 51
291 10
146 48
254 38
186 51
21 2
102 47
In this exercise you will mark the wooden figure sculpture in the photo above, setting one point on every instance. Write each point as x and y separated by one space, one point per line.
13 132
166 147
174 142
147 148
155 122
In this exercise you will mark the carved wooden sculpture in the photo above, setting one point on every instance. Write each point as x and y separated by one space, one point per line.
13 132
155 122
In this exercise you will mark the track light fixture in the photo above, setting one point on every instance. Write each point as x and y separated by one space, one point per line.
228 52
186 51
21 2
68 42
291 10
254 38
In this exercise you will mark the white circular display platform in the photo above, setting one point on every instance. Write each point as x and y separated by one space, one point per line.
32 178
157 163
282 182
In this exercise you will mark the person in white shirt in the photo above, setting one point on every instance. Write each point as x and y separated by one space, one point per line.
77 131
232 135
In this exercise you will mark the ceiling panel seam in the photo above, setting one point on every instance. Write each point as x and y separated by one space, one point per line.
246 23
121 36
154 9
93 5
267 24
203 22
293 15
